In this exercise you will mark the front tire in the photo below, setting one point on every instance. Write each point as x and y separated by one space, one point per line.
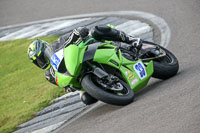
165 67
103 95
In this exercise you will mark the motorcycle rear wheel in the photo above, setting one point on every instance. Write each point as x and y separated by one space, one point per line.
104 95
165 67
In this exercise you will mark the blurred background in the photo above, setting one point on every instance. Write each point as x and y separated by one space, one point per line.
20 11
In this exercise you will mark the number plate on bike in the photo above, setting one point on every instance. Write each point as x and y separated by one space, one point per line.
56 59
140 69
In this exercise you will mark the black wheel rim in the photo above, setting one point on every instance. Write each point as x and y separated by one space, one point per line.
124 91
166 59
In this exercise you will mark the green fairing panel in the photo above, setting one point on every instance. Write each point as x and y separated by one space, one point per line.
104 56
62 80
133 78
73 56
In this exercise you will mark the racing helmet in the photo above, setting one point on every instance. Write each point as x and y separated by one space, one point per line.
36 53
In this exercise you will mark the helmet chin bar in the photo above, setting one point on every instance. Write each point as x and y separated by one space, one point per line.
42 62
45 66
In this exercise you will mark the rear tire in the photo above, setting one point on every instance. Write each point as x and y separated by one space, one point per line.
105 96
165 67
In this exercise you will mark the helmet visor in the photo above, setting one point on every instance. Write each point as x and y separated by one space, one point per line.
32 54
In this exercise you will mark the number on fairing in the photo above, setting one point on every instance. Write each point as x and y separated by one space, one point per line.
140 70
55 62
56 59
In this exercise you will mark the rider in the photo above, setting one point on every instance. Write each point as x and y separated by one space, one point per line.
40 52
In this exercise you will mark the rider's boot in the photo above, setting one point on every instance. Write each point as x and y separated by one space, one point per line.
134 42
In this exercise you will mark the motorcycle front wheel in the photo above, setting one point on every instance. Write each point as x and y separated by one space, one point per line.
96 90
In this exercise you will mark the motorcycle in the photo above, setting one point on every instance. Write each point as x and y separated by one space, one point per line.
111 73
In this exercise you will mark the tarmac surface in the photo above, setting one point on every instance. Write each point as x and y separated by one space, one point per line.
166 106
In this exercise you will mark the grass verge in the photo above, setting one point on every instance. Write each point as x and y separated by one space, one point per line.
23 87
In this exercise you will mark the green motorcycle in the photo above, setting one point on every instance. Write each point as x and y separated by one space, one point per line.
111 73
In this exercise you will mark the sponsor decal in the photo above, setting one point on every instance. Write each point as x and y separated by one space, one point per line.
127 72
130 76
55 61
140 70
134 81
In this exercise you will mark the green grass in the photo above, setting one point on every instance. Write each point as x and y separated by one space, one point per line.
23 87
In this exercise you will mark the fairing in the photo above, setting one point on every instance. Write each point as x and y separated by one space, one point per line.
136 73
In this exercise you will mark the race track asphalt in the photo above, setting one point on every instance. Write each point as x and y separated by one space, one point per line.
166 106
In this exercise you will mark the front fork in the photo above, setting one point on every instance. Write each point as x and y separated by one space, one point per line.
97 71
